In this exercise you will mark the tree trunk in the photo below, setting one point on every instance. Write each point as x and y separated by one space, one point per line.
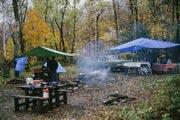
52 26
16 44
74 28
178 22
1 52
60 46
97 30
115 19
21 39
136 19
62 27
173 11
131 7
62 34
19 18
16 10
16 34
134 12
46 10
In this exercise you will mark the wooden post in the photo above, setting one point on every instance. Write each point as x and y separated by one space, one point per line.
57 97
16 103
65 97
27 103
50 99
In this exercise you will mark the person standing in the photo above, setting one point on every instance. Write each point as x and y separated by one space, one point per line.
52 65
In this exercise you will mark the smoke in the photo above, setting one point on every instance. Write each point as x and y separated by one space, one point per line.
91 71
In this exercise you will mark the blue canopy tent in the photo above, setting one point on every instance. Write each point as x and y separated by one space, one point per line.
142 43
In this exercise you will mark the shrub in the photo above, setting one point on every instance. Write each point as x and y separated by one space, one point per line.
165 105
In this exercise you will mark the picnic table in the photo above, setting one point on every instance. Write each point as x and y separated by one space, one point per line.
33 96
141 68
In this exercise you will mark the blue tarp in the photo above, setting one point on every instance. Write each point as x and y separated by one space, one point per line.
142 43
60 68
20 63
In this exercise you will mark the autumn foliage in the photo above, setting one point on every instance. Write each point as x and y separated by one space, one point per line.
68 25
36 31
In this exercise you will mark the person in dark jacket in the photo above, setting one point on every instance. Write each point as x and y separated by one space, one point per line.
52 65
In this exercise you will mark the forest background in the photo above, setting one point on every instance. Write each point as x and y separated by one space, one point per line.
67 25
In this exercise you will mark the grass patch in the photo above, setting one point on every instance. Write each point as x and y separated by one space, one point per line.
165 104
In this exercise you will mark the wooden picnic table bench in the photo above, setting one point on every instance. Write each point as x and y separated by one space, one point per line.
27 102
34 97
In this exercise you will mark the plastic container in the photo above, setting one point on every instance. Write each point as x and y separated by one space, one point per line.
45 92
29 81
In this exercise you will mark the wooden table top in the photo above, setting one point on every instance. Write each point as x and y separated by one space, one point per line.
25 86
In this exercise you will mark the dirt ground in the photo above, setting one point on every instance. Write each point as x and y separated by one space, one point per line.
84 102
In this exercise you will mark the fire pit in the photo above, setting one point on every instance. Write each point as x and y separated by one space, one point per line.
116 99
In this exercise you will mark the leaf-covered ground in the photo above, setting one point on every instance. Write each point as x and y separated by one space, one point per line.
86 102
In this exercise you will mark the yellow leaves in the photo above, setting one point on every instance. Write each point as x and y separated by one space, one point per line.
158 31
36 31
106 29
9 49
